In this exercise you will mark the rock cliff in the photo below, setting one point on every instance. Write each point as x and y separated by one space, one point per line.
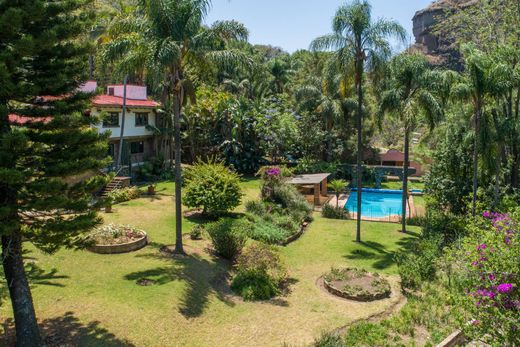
438 49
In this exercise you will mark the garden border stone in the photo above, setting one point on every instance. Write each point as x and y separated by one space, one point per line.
122 248
296 235
361 298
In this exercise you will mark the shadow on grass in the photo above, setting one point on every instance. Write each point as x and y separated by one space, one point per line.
67 330
202 277
377 252
35 275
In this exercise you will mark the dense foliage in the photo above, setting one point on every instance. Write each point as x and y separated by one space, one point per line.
45 198
211 186
260 273
488 277
228 236
281 211
119 195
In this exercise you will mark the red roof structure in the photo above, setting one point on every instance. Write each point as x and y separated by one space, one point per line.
392 155
110 100
15 119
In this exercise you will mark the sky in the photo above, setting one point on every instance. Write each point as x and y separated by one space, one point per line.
293 24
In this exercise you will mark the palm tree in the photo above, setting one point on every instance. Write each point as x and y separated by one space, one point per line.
359 42
477 85
322 98
408 98
338 186
171 34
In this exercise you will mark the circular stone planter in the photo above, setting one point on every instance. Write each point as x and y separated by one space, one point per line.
121 248
356 284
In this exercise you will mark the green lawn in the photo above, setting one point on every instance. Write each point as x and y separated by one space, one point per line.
96 299
399 185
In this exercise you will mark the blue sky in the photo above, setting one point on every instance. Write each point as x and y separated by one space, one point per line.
293 24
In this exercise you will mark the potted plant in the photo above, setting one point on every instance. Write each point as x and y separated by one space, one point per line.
151 189
109 201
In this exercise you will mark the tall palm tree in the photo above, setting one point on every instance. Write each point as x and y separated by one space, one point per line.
408 99
476 87
171 34
359 43
323 98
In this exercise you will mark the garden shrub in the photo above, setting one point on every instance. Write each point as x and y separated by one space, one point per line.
366 334
211 186
447 225
229 236
197 231
285 222
282 209
257 208
333 212
329 340
123 194
267 232
260 272
488 279
418 263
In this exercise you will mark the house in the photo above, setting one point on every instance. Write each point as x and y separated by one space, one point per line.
394 157
139 140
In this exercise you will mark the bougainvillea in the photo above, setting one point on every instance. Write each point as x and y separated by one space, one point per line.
491 261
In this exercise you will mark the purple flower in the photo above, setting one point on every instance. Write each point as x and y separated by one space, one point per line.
481 247
491 277
273 171
486 214
505 287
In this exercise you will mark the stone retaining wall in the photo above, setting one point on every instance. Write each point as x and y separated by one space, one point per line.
123 248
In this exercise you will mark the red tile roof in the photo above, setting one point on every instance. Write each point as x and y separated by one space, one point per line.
109 100
21 120
392 155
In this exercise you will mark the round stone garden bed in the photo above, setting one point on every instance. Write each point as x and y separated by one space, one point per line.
112 239
356 284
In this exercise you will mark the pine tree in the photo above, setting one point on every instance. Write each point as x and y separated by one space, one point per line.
44 197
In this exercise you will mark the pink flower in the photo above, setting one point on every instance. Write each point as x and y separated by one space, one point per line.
505 287
481 247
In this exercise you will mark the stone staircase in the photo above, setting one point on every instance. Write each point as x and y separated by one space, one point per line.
116 183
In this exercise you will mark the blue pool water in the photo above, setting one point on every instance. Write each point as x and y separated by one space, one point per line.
376 203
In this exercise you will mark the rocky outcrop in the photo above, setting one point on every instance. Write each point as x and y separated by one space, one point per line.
439 50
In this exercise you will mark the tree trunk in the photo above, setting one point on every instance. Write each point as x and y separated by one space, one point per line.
475 160
405 176
177 105
91 66
359 170
27 333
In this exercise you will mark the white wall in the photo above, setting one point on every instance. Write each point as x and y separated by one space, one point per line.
130 129
132 92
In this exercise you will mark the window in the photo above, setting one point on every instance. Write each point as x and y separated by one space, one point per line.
141 119
111 150
137 147
111 91
111 120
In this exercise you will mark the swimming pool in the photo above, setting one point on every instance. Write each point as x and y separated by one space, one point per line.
376 203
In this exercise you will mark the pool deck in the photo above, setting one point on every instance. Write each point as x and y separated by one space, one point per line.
343 198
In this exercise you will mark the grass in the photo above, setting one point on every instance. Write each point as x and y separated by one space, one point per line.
95 297
399 185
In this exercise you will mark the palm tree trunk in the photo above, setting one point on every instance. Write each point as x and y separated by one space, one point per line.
405 176
177 104
359 169
475 160
27 333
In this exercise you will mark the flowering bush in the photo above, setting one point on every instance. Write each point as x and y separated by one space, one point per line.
114 234
491 263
